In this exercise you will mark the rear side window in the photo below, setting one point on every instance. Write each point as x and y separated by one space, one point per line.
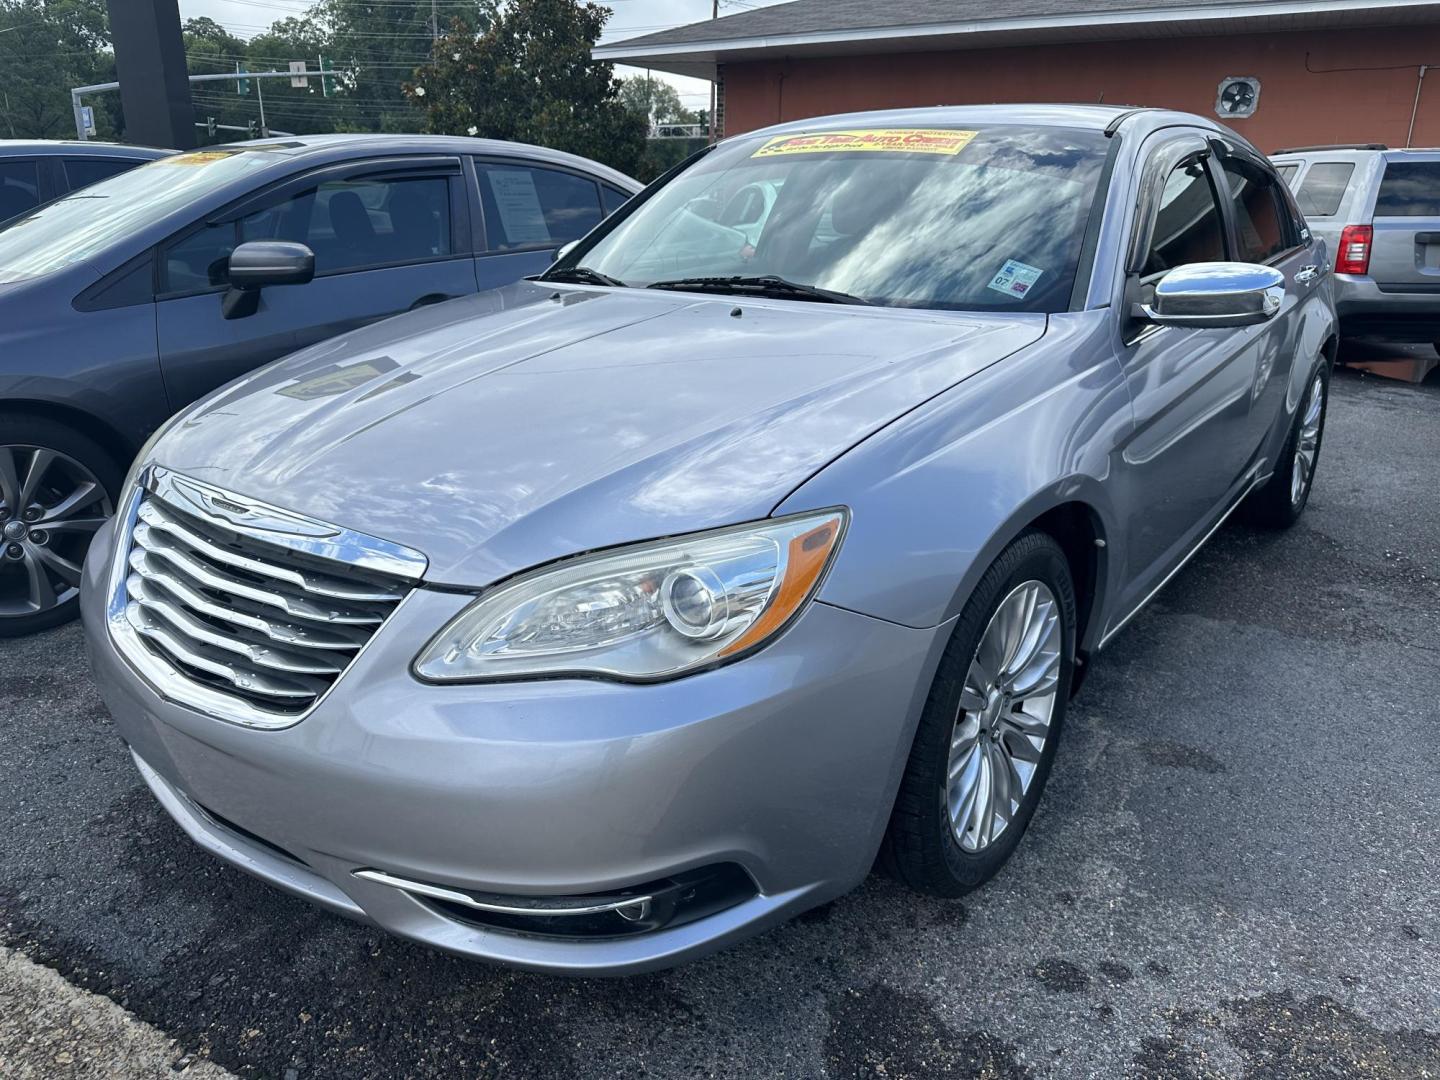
19 187
526 207
1260 221
82 172
1287 173
1324 188
1409 189
614 198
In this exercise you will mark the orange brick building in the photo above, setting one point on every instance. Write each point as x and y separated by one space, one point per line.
1281 72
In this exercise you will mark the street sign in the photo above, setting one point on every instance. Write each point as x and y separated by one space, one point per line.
298 80
327 81
242 86
87 119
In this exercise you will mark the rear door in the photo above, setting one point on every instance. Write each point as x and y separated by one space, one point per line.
388 237
1405 256
528 211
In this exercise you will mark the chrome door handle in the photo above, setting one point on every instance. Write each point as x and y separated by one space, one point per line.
1308 274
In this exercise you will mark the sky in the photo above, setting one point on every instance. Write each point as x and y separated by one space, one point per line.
632 18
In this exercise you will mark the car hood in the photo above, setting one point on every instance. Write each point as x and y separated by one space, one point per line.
500 431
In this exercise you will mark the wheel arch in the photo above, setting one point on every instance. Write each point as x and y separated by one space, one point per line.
111 440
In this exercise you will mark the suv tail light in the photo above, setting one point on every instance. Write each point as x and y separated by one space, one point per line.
1354 254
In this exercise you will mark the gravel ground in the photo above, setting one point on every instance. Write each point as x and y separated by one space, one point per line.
1234 872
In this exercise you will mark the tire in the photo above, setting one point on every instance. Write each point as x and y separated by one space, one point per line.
922 847
43 542
1279 502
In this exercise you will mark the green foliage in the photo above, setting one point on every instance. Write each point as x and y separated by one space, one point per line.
526 73
54 45
654 99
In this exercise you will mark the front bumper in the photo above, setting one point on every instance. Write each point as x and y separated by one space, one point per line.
785 764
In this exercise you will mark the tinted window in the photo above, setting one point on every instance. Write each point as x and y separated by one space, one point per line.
1188 226
348 224
1409 189
197 261
528 207
1259 219
613 198
19 187
1287 173
82 172
1324 188
985 218
353 224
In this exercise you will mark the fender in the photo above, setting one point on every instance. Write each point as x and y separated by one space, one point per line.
976 466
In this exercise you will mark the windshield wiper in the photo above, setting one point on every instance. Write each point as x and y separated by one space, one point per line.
767 284
583 275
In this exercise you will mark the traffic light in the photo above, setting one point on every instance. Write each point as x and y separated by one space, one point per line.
327 82
242 86
252 127
210 126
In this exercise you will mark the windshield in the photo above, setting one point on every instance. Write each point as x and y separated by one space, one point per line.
81 225
987 219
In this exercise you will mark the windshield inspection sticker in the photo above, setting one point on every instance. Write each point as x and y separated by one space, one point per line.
1015 279
892 140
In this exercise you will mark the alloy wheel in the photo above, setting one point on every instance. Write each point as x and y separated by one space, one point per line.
1307 444
1006 707
50 507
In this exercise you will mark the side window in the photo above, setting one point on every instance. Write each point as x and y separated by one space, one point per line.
360 223
19 187
198 260
82 172
613 198
1324 188
527 207
1261 221
1287 173
1188 226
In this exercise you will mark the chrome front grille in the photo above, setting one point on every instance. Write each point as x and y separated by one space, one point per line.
243 610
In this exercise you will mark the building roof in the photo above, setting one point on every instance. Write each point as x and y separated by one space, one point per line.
848 27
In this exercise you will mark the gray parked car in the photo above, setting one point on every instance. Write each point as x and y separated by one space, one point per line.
1379 212
126 301
595 622
33 171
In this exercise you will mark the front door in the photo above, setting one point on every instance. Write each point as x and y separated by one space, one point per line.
385 241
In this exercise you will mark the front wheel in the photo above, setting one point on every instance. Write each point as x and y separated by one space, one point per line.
988 734
1279 503
57 487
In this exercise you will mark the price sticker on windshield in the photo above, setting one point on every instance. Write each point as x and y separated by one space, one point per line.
877 140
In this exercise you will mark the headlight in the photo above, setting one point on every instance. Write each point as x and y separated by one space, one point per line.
651 611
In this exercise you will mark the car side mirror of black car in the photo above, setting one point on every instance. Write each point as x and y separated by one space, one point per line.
261 263
1216 294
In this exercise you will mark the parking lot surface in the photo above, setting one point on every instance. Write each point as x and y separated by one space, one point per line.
1235 871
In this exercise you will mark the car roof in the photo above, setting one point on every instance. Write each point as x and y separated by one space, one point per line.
76 148
325 148
1107 118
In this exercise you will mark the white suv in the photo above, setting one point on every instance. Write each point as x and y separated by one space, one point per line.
1379 211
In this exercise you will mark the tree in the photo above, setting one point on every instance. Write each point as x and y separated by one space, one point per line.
53 46
654 99
529 76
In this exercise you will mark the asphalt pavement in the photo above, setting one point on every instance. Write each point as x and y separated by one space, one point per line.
1235 871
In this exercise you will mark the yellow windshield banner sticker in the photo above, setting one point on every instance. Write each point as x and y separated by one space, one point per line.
204 157
882 140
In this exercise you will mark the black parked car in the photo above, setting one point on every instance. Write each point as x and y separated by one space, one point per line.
123 302
33 172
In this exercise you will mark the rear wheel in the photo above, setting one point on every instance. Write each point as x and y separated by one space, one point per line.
988 734
1280 502
57 487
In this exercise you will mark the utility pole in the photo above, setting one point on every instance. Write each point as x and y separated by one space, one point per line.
435 24
260 93
715 82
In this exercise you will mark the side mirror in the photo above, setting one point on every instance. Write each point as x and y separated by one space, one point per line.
261 263
1221 294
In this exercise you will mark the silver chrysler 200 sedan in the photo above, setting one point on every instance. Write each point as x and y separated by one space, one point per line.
596 622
